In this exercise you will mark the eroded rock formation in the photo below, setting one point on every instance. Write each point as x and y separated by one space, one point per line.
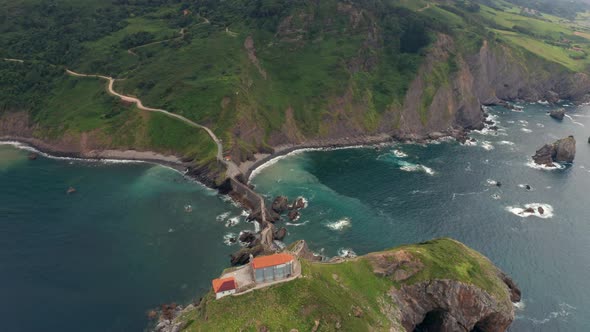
561 151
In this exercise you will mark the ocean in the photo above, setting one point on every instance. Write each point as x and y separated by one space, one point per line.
99 259
364 200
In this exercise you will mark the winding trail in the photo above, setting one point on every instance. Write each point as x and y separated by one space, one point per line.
232 168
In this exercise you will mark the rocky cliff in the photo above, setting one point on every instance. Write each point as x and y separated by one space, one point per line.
440 285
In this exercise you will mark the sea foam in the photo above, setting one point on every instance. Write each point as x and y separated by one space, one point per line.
340 224
521 211
346 253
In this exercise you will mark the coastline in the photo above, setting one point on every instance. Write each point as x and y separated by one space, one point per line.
109 156
251 168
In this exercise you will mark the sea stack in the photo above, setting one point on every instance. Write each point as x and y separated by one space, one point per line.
561 151
557 114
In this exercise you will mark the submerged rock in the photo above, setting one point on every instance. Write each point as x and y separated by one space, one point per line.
33 156
71 190
561 151
558 114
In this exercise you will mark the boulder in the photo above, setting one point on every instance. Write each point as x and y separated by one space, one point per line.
71 190
242 256
293 215
541 210
298 204
561 151
557 114
565 150
280 234
280 204
247 237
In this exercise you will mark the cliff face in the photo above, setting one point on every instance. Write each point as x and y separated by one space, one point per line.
440 285
504 73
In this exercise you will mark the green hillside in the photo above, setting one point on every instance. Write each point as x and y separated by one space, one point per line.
328 293
258 73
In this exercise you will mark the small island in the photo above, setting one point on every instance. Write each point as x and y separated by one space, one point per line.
439 285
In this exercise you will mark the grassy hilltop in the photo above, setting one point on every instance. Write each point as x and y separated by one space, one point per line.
258 73
354 295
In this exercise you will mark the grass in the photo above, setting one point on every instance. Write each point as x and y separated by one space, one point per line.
449 259
81 105
328 292
546 51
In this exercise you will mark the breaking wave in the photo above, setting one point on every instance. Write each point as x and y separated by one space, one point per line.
487 145
231 222
346 253
409 167
564 310
539 210
230 239
399 153
222 216
555 166
340 224
526 130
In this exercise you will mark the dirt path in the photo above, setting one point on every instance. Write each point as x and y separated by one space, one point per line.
232 168
182 32
425 7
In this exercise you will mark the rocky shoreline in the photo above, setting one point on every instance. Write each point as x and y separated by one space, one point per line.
51 151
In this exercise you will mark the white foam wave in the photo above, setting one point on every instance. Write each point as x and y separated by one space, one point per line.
231 222
409 167
346 253
244 213
519 305
496 196
230 239
510 121
532 210
491 182
222 216
276 159
562 312
399 153
297 224
555 166
339 224
523 122
487 145
470 142
526 130
542 102
506 143
574 121
540 125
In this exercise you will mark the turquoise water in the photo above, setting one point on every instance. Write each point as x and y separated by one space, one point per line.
98 259
366 200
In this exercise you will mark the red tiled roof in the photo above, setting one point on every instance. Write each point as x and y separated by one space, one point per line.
225 284
272 260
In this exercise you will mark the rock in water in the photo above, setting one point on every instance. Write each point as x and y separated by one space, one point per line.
71 190
565 150
562 151
293 215
33 156
299 204
280 234
557 114
280 204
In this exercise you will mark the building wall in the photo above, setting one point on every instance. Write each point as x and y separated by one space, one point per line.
273 273
224 293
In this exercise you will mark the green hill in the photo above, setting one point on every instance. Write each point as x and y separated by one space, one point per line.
266 73
367 293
